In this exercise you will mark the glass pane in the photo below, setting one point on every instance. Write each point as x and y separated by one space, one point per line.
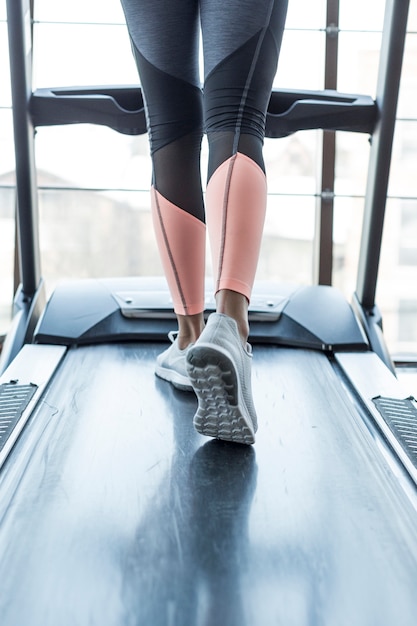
58 62
2 10
408 87
291 163
352 159
287 245
412 17
360 15
403 179
308 15
93 156
358 62
347 228
7 210
103 11
95 234
407 253
296 69
397 286
7 223
407 327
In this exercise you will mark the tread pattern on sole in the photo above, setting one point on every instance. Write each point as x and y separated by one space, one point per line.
221 412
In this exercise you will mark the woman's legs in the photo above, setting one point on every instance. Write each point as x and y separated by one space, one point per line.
241 41
165 41
240 62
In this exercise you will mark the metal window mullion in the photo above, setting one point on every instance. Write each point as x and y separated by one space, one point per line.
325 202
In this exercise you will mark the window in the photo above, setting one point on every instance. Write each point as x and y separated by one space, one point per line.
93 182
408 233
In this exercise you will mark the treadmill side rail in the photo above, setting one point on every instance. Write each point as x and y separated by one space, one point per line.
372 380
33 368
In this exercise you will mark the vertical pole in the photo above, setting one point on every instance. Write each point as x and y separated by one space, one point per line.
19 18
392 50
325 203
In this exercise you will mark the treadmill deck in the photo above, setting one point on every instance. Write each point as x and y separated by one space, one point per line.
114 511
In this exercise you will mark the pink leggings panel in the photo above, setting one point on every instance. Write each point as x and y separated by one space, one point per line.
235 207
181 240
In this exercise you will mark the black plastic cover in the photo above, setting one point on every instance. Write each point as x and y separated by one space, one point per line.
133 309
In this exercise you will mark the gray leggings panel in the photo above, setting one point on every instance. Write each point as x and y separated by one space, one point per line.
166 32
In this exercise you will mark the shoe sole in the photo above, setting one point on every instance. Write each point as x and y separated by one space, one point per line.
221 409
177 380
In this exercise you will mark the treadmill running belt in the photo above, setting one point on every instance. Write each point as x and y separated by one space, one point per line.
114 511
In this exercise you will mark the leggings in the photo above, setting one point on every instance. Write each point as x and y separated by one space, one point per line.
241 40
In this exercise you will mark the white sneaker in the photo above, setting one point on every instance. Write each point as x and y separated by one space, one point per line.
219 368
170 365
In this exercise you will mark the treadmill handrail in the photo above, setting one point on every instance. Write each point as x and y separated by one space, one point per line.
122 108
388 85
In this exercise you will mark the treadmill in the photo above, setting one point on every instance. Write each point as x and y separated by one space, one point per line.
114 511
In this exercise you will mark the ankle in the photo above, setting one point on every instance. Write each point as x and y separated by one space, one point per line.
234 305
190 328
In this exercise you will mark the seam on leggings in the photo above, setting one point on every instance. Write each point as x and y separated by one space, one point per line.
171 258
224 218
249 79
236 142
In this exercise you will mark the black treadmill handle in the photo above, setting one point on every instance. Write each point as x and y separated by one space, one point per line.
122 108
289 112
